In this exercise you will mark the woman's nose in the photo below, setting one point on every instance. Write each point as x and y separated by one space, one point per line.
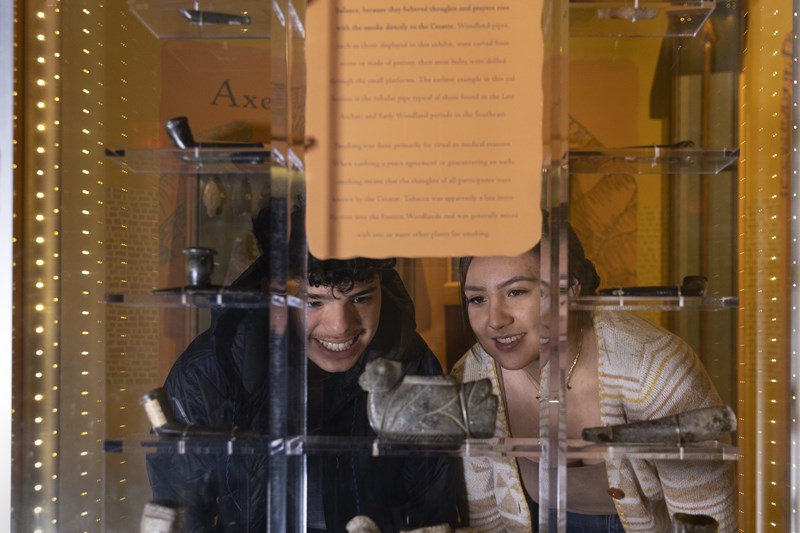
499 317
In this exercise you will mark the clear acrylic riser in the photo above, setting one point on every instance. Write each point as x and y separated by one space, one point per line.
226 297
250 19
234 160
652 160
495 447
638 18
653 303
639 160
204 19
205 298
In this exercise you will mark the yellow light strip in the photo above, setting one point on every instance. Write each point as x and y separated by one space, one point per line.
764 383
40 402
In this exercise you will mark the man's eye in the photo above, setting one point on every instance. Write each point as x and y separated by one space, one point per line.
311 304
361 299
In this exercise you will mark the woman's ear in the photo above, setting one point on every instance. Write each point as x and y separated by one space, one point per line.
574 290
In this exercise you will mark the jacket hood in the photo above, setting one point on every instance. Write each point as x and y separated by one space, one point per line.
397 327
241 336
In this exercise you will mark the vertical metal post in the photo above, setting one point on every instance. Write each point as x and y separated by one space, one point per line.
554 271
6 261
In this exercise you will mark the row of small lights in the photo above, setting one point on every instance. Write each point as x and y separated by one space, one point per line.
769 455
43 251
88 400
795 182
41 497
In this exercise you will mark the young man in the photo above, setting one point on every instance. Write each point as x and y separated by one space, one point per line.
357 310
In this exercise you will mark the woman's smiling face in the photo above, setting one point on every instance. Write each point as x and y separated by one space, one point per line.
504 299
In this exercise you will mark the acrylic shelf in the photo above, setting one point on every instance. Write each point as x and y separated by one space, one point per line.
652 303
652 160
204 19
192 160
638 18
205 298
515 447
494 447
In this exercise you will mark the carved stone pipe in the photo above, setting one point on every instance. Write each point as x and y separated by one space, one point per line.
162 420
180 133
690 426
426 407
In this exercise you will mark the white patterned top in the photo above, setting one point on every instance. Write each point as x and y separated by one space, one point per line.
644 372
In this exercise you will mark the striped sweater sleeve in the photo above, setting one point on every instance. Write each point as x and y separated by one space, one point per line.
646 372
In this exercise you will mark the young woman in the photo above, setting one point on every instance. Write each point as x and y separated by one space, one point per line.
622 369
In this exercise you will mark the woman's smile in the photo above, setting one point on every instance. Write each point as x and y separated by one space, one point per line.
503 305
510 342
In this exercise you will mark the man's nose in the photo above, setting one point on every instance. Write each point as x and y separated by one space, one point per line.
499 317
340 318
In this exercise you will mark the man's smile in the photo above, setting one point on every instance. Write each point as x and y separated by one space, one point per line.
337 346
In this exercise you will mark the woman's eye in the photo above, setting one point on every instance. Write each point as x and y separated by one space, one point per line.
472 300
517 292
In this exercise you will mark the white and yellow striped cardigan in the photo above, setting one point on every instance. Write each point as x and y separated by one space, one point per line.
644 372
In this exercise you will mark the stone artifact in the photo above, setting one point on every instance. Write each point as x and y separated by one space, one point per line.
690 426
365 524
199 17
627 13
694 523
162 517
199 265
242 197
213 197
691 286
162 420
180 133
362 524
426 407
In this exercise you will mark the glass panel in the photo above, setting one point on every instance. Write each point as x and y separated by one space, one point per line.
638 18
155 139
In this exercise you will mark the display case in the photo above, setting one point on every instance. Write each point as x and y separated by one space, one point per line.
642 159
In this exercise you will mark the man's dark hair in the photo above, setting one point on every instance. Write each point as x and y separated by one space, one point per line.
343 274
340 274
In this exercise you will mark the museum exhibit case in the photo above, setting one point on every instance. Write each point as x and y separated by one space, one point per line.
174 161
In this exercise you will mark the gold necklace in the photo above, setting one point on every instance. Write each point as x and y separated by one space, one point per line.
575 361
569 372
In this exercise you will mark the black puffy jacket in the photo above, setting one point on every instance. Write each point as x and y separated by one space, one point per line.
221 381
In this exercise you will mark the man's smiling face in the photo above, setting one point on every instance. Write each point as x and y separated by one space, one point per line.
341 325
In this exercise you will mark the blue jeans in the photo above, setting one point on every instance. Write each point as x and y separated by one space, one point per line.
587 523
580 523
